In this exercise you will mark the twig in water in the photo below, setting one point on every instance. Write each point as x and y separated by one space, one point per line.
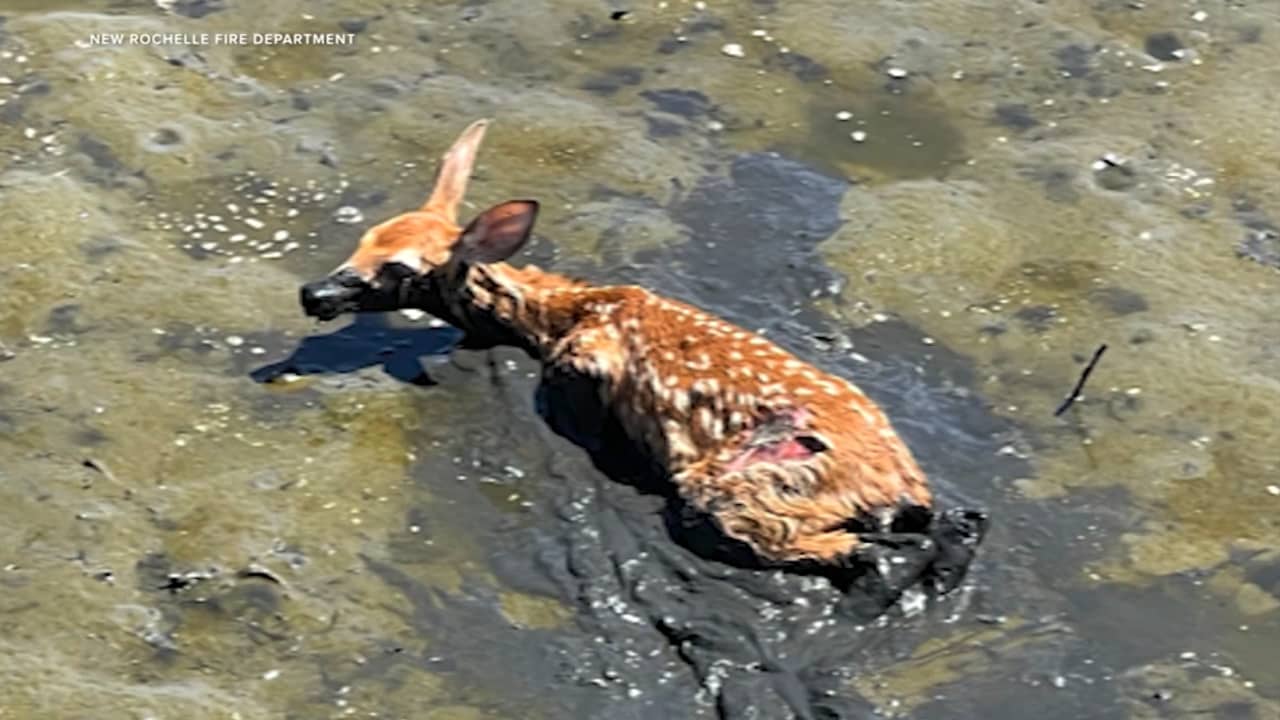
1084 377
96 464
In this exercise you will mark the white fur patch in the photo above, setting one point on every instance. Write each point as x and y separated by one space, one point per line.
408 257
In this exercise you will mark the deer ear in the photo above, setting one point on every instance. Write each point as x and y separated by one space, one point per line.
498 233
455 171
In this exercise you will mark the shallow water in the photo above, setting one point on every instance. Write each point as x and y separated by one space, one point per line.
212 507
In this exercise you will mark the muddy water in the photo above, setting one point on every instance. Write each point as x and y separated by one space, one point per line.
214 508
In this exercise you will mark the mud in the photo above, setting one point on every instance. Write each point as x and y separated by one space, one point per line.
210 506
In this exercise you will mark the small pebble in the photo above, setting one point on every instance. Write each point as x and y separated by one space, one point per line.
1274 490
235 340
1199 16
896 72
271 675
348 215
858 136
844 116
733 50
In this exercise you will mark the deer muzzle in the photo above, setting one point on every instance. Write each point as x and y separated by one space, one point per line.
334 295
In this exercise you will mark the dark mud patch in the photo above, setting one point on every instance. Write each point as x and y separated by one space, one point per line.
675 110
1164 46
1058 182
65 320
104 168
1037 318
780 265
688 104
97 248
803 67
1261 242
470 626
609 82
1119 301
1015 116
1075 60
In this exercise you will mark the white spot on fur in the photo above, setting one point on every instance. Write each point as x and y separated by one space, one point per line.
681 402
710 424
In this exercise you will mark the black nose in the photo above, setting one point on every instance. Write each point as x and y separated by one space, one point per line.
329 297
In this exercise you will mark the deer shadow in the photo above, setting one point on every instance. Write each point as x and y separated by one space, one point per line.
368 341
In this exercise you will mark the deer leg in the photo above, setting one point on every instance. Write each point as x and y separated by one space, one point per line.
957 534
891 563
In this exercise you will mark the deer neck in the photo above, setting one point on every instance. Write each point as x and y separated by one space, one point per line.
497 304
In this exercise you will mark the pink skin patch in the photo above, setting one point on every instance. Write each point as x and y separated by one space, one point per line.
778 438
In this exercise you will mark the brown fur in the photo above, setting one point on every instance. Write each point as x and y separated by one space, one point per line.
691 387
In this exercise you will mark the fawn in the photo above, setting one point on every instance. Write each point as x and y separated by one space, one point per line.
799 465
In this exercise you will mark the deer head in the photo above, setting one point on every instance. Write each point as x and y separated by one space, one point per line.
402 260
